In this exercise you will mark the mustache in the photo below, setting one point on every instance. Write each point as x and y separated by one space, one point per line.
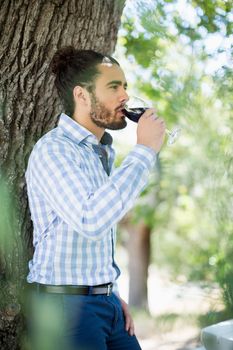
122 106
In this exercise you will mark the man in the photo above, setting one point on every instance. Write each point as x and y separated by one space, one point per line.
76 198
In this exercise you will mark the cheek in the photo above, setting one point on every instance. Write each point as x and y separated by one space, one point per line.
107 99
110 103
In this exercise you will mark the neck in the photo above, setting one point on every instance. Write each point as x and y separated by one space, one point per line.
87 123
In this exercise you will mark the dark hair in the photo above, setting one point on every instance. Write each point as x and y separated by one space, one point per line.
73 67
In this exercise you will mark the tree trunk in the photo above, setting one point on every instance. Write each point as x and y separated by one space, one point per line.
139 259
140 226
31 31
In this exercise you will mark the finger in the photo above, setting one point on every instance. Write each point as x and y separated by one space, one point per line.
149 112
129 325
131 328
131 332
127 322
159 120
154 117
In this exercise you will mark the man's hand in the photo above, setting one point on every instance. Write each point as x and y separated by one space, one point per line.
129 325
151 130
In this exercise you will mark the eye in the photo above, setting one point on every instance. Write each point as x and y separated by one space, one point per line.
114 87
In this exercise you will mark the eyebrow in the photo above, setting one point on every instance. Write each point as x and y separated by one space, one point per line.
116 82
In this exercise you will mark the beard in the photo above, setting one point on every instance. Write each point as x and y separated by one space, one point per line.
105 118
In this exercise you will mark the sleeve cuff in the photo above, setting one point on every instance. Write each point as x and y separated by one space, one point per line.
146 155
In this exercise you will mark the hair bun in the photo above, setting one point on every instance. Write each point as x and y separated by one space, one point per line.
61 58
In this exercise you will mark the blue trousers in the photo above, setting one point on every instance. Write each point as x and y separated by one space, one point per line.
78 322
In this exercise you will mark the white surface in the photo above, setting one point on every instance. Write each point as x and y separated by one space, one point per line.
223 329
218 336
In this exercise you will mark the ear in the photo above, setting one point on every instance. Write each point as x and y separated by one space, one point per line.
80 95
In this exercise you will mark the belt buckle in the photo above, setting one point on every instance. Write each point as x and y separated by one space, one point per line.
109 288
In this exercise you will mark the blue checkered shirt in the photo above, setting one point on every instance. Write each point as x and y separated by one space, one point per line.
75 205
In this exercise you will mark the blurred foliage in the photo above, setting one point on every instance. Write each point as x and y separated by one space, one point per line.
189 203
213 317
12 252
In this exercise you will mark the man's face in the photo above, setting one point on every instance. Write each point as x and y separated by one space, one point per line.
109 98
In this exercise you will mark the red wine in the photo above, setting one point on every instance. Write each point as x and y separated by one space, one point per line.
134 114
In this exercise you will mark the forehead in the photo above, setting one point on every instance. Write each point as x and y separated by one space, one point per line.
109 73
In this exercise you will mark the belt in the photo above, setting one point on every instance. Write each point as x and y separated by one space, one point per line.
77 290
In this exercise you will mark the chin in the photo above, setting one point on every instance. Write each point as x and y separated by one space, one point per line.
117 126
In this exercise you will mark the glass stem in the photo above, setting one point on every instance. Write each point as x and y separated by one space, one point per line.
168 132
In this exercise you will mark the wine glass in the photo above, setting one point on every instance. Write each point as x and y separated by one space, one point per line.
135 108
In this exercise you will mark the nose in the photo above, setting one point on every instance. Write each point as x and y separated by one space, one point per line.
124 97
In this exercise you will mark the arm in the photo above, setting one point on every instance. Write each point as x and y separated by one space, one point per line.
57 175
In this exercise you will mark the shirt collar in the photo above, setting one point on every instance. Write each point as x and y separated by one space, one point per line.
78 133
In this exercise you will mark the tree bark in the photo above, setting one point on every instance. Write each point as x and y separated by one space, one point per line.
31 31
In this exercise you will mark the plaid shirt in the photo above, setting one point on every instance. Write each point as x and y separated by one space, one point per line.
75 205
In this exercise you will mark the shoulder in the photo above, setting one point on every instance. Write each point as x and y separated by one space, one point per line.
52 144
